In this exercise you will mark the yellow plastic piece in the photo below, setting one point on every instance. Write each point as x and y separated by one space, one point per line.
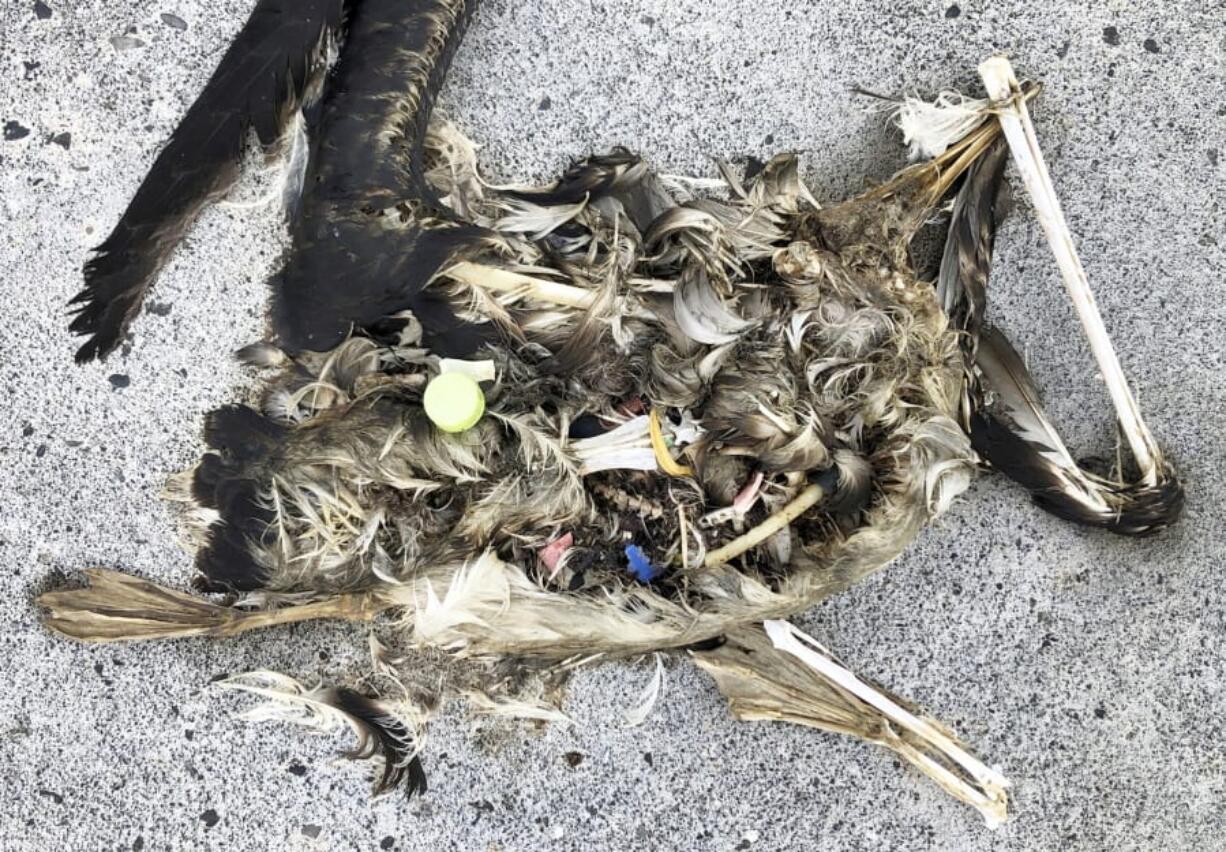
454 402
666 461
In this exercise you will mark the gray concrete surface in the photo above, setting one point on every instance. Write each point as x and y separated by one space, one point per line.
1089 667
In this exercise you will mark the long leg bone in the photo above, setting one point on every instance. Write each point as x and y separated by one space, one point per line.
1003 87
786 676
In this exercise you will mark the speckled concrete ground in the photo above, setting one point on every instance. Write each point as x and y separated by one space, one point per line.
1089 667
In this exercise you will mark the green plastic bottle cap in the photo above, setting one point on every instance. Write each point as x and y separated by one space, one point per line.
454 402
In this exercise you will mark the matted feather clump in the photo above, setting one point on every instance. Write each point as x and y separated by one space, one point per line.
709 404
758 417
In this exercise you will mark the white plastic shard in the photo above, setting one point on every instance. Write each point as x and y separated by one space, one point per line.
628 447
478 371
1010 107
987 794
620 458
631 433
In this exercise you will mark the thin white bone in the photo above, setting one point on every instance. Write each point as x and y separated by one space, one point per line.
990 798
1003 88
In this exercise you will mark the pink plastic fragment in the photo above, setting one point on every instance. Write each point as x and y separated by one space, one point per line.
552 553
748 495
634 407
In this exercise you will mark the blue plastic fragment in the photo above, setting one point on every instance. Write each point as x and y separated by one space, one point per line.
640 565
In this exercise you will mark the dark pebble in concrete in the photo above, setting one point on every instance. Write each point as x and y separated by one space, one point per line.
14 130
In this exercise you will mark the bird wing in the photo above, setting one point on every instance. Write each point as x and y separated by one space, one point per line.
1004 411
372 234
275 62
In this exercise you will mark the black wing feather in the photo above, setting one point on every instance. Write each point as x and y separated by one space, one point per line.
262 79
1010 430
362 250
380 733
621 175
979 209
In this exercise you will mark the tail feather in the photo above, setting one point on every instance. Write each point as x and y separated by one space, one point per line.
262 80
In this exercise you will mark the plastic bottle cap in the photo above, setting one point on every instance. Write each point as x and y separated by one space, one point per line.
454 402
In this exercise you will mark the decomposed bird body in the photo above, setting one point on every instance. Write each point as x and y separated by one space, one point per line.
702 411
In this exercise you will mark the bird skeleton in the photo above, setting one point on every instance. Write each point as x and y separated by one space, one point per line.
704 413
